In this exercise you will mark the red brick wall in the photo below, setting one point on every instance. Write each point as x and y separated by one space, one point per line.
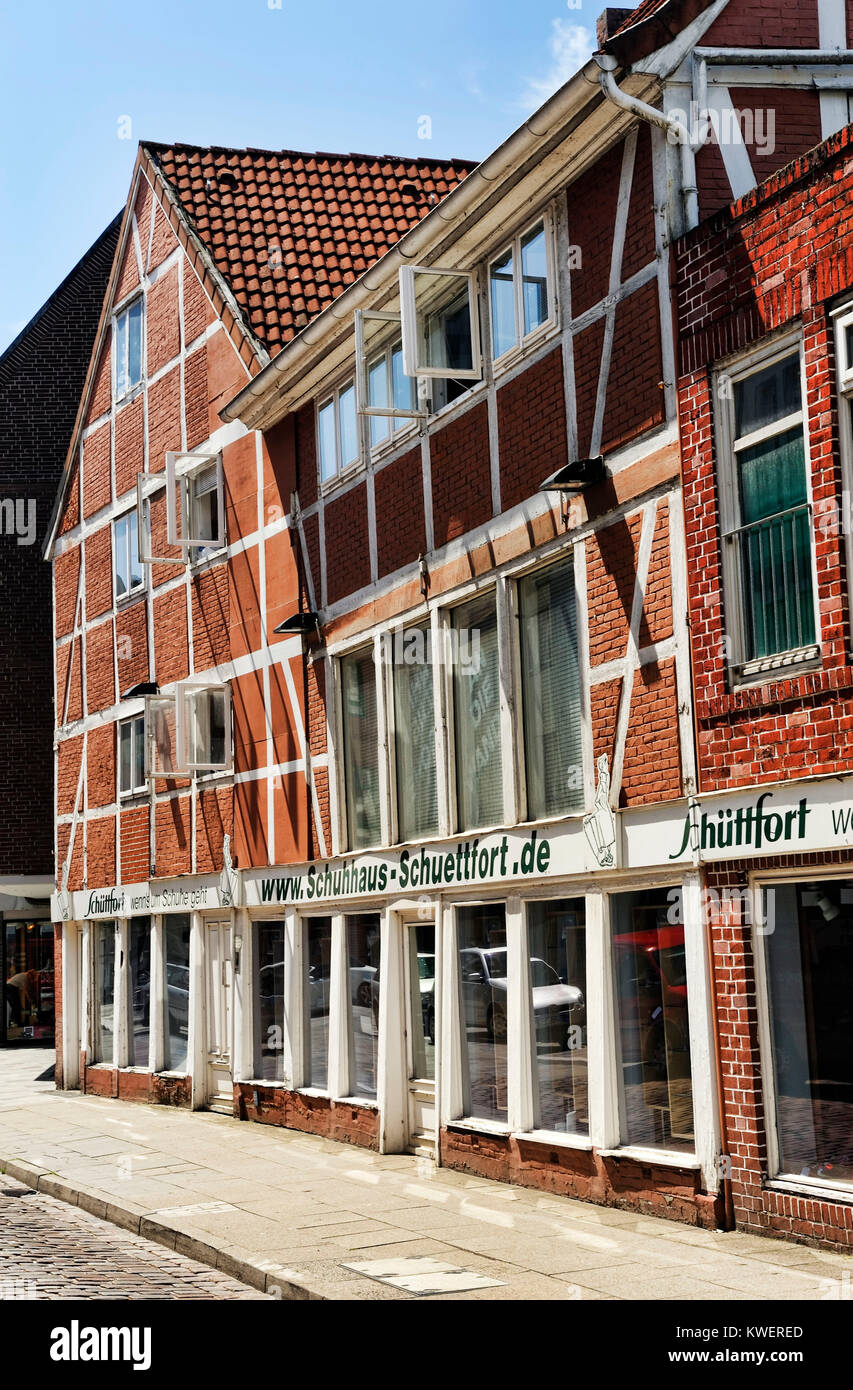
532 428
773 261
347 544
757 1208
621 1182
334 1119
461 478
400 524
765 24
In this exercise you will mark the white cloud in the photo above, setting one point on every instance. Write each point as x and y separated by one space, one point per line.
570 46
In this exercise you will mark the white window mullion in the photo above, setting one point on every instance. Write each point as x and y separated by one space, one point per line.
339 1007
706 1120
521 1049
157 995
451 1098
508 708
602 1055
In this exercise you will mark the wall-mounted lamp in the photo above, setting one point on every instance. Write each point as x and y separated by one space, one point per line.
304 623
575 476
143 688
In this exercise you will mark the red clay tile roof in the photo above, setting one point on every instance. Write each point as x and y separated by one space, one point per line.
651 25
289 231
645 10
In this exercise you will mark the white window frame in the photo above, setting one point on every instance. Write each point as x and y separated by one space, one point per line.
360 648
148 487
498 589
343 469
123 393
366 357
760 669
133 721
186 693
133 589
399 632
156 773
524 341
842 320
183 472
186 766
758 882
411 323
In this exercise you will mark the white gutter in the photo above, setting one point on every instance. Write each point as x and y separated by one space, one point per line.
248 406
676 132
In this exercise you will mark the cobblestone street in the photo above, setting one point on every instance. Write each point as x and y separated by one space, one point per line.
49 1250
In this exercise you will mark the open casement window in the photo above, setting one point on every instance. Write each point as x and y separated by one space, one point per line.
203 726
440 323
383 390
161 737
189 731
152 523
769 536
195 501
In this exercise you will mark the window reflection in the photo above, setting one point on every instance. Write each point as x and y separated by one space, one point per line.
654 1035
809 964
363 962
176 937
557 943
481 935
318 956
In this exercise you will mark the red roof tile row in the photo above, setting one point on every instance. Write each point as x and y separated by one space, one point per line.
291 231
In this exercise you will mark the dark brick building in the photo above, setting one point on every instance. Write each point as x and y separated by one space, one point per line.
41 376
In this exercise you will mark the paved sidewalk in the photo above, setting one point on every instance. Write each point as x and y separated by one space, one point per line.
293 1213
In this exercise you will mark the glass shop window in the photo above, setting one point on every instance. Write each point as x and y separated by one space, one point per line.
104 961
653 1034
481 937
139 940
269 1000
318 971
28 1002
809 961
557 944
363 960
176 941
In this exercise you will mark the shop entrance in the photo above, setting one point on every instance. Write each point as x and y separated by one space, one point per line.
419 965
218 995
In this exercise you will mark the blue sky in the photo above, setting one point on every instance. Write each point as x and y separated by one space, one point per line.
334 76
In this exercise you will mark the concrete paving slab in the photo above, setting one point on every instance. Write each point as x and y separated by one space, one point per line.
271 1205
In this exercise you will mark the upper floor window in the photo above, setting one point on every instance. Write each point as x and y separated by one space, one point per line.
413 712
359 727
388 388
767 515
127 348
127 570
551 691
440 330
131 756
476 714
204 510
337 432
518 290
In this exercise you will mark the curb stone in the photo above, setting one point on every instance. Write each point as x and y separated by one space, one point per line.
149 1226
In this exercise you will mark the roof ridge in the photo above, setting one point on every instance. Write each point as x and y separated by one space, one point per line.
177 146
